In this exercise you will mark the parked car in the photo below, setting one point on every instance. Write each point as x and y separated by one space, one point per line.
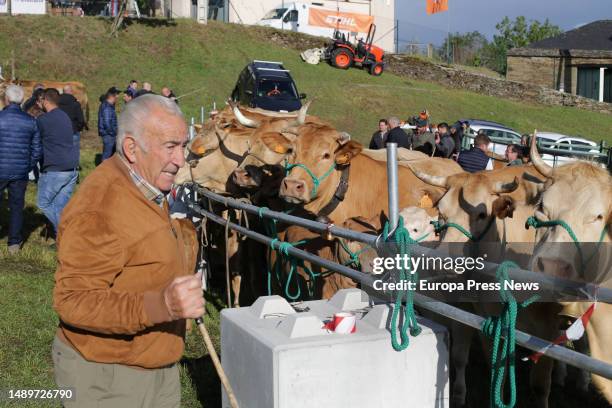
267 85
565 145
500 135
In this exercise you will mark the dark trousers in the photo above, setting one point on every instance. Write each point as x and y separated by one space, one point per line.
108 146
16 200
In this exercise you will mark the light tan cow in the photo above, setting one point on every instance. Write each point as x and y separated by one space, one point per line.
579 194
493 206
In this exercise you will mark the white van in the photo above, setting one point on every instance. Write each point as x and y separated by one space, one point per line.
351 19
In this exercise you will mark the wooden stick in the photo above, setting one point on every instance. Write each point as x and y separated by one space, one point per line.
215 358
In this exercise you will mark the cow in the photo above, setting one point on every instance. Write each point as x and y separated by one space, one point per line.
325 165
580 195
220 145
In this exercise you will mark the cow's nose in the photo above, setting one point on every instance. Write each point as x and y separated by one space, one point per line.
294 188
241 177
555 267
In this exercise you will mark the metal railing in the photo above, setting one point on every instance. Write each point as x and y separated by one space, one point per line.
367 280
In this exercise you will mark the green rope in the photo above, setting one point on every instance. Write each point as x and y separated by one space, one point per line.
535 223
402 238
316 181
354 256
439 227
503 325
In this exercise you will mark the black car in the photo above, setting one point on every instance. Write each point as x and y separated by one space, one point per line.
267 85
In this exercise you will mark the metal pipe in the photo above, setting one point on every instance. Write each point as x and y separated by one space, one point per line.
528 341
564 286
201 114
192 129
392 185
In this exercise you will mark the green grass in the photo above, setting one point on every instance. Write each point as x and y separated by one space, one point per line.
187 56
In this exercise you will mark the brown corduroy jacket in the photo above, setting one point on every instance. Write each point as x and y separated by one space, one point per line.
117 251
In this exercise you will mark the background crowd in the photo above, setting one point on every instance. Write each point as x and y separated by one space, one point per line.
40 141
442 140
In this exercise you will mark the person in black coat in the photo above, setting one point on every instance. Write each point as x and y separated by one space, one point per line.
379 138
69 104
397 134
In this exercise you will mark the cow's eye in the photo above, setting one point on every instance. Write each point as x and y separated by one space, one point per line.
290 150
326 156
482 216
600 217
415 230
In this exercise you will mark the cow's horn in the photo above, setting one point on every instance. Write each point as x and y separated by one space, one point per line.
501 187
243 120
536 159
438 181
301 118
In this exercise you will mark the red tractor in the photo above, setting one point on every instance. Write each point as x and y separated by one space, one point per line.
343 54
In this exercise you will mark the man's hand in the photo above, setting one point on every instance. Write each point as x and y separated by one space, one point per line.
183 297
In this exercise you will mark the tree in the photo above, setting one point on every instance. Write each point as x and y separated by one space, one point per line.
464 49
513 34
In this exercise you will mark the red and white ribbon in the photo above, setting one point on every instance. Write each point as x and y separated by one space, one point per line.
574 332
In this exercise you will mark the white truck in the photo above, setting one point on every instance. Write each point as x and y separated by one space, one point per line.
349 18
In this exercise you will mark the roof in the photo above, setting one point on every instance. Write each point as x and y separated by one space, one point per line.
268 69
593 36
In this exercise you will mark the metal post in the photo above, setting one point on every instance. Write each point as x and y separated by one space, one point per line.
392 185
192 129
202 114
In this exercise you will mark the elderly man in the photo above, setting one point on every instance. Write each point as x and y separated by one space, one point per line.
20 150
124 285
397 134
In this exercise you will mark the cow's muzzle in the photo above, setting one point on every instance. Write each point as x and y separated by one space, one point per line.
294 191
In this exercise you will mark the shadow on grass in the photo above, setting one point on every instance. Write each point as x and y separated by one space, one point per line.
32 220
205 380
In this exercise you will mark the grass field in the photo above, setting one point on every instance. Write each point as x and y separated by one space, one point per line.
188 57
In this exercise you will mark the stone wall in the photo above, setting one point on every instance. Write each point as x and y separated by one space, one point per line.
541 71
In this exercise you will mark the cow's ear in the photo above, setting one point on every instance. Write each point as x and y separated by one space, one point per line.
345 153
198 127
197 146
277 142
430 196
503 207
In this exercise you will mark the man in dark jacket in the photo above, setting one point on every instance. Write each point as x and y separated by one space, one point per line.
397 134
456 132
69 104
476 159
20 150
31 102
379 138
446 145
107 122
59 170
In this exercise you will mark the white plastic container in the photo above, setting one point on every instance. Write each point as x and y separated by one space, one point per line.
276 357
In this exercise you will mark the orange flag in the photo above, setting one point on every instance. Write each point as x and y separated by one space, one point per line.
436 6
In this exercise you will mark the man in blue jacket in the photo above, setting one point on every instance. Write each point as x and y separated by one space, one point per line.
59 171
107 122
20 150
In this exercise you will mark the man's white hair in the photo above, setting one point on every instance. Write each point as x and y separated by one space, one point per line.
136 113
14 94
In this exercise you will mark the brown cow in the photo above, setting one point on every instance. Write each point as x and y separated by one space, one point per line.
579 194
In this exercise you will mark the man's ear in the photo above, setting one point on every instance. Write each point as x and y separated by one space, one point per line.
277 142
346 152
504 207
129 149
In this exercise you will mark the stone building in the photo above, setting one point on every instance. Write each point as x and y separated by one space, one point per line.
578 61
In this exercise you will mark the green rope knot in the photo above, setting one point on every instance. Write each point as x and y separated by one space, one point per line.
410 323
316 181
261 210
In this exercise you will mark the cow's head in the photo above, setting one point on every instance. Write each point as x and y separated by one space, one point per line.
320 152
580 195
473 201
